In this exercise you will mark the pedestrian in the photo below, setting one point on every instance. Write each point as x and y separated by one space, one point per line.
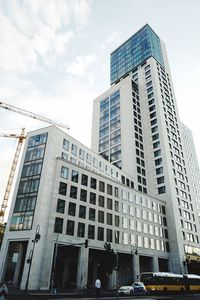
55 288
98 287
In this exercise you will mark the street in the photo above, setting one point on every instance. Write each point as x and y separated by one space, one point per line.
149 297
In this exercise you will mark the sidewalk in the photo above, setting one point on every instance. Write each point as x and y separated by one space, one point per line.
16 294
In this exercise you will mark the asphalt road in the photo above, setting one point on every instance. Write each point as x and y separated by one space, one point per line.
149 297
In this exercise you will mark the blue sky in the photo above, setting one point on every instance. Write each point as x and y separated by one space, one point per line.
54 59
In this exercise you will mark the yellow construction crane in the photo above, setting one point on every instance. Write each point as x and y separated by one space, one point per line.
21 137
31 115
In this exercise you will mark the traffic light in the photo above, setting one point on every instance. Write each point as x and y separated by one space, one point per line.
107 247
86 243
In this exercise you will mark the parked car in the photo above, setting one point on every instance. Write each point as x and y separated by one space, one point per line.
136 288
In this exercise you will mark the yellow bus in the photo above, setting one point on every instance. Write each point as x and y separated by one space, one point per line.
164 282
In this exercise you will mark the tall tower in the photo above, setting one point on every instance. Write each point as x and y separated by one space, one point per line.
136 126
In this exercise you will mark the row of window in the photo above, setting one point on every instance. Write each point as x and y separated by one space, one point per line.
182 188
109 130
138 137
105 234
85 195
154 131
81 211
25 203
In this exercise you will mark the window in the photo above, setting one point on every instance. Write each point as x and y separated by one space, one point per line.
109 189
162 190
82 211
70 227
125 238
66 144
84 179
74 149
155 137
116 192
88 158
117 221
132 224
72 209
125 223
160 180
116 206
100 233
100 216
83 195
81 229
73 192
74 176
58 227
101 201
92 198
101 186
157 153
109 235
64 172
93 183
109 203
91 230
159 171
62 188
92 212
109 219
153 122
158 161
81 154
60 206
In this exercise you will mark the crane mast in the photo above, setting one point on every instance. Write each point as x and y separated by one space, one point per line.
20 137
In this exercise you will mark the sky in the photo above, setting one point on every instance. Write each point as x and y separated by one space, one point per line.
55 59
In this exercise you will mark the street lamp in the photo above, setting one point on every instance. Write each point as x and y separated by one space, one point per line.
30 256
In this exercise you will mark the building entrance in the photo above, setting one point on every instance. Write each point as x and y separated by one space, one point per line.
65 273
14 263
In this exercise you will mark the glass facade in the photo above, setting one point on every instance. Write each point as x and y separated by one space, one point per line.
142 45
109 129
22 218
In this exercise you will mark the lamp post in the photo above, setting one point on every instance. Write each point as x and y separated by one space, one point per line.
30 256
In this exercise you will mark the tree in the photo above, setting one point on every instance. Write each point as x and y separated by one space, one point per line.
111 259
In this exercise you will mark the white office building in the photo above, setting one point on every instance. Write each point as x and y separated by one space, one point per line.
69 194
136 127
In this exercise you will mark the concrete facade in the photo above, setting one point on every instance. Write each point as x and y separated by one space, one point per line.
152 146
134 220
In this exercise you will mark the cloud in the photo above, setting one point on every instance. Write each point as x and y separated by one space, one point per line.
37 28
81 65
15 52
82 12
112 40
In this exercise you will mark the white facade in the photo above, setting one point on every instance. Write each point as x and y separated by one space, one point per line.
152 149
192 164
79 197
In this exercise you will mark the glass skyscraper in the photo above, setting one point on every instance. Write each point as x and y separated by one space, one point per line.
142 45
